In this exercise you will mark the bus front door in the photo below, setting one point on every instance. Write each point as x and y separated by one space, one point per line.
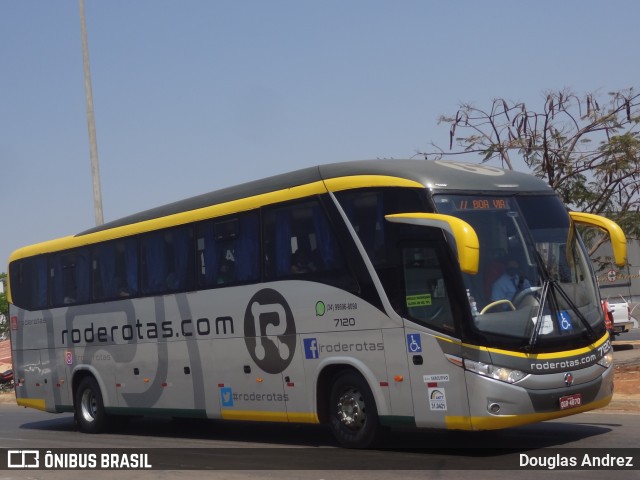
438 385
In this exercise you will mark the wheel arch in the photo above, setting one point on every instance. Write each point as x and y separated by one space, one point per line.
80 373
330 368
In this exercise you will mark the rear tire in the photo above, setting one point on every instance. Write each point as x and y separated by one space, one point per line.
89 407
353 416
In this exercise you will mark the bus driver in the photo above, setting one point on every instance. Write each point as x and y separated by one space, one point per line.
509 283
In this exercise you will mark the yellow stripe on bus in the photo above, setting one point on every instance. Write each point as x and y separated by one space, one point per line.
506 421
536 356
176 219
213 211
261 416
303 418
363 181
37 403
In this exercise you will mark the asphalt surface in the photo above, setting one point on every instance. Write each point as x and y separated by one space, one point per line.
626 352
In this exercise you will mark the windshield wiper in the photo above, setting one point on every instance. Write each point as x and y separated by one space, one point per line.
554 287
592 333
539 315
548 285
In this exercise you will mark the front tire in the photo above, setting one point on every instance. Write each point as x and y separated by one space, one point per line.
353 415
89 407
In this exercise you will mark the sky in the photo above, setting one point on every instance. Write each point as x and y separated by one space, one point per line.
196 95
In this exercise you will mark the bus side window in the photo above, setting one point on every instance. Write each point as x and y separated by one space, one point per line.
300 243
29 283
115 269
366 209
228 251
426 298
167 261
69 278
366 213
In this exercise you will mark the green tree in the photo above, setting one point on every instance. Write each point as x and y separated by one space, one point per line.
587 148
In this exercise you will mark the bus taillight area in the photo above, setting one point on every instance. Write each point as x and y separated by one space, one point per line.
495 404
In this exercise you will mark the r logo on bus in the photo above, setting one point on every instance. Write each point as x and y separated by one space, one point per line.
465 167
268 315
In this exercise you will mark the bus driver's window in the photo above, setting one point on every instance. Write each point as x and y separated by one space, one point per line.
425 293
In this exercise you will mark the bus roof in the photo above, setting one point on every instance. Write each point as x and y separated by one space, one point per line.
435 175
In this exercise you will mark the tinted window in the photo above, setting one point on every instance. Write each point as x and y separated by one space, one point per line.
300 242
425 296
115 269
228 251
366 210
69 278
543 212
167 261
28 279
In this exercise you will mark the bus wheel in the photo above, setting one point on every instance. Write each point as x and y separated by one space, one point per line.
89 406
353 415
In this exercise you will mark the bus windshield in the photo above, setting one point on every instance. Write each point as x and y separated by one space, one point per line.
534 287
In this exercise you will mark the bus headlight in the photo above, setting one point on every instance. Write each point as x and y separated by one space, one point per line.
607 360
498 373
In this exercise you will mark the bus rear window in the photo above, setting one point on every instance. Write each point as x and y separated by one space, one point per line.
28 281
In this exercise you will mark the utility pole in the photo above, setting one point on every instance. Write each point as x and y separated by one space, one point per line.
91 122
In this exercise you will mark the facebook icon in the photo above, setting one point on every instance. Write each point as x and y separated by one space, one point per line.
311 348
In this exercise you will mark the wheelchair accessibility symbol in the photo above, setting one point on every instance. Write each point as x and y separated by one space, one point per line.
414 343
565 321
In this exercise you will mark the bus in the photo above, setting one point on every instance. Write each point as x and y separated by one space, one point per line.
362 295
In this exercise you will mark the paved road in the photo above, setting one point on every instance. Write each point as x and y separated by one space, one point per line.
626 352
633 334
263 448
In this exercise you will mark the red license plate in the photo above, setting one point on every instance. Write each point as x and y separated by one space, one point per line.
570 401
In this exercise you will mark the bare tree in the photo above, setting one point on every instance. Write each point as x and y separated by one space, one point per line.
587 148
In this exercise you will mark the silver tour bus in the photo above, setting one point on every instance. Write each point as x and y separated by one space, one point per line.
361 295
